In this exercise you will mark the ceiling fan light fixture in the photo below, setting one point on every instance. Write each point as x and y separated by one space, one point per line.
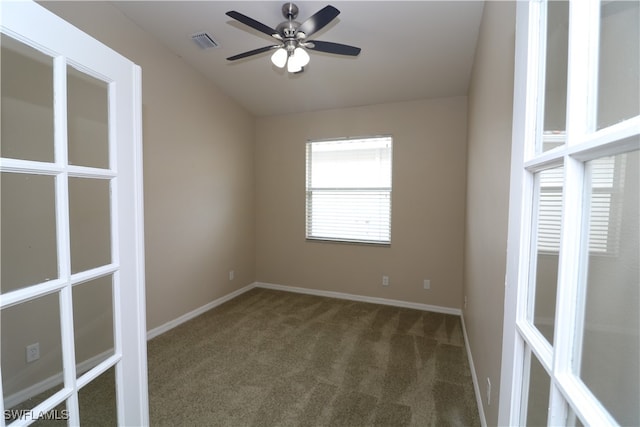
293 66
301 56
279 58
297 60
293 37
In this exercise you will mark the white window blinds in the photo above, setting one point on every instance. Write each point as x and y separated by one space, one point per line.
607 178
348 190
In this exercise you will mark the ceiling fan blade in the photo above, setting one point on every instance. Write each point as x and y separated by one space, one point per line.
319 20
252 52
337 48
253 23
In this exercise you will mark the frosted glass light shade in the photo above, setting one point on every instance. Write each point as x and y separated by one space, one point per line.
293 66
279 58
297 60
301 56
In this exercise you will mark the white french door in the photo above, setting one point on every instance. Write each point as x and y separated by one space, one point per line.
72 286
571 336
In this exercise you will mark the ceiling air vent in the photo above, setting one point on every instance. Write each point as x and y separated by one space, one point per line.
204 40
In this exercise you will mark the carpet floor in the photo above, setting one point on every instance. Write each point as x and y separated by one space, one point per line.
272 358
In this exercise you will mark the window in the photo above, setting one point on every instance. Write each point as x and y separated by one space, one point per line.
348 190
604 228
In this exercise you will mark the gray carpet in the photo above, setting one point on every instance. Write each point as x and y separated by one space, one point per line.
270 358
277 358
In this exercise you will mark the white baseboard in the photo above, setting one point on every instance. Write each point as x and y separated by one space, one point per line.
52 381
361 298
474 376
340 295
198 311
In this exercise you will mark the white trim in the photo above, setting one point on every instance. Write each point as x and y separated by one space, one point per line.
606 142
85 378
44 407
94 273
361 298
517 240
330 294
131 372
138 206
593 410
197 312
29 167
31 292
48 383
47 168
474 376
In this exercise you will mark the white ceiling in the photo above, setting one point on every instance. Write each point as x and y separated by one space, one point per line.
410 50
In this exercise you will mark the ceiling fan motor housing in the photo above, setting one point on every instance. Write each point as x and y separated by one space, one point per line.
288 29
290 11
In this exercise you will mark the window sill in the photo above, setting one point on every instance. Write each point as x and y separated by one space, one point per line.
348 242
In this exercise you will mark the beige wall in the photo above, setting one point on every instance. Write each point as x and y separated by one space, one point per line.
489 140
429 178
199 201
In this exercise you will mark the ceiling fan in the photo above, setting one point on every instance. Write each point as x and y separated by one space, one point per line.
293 37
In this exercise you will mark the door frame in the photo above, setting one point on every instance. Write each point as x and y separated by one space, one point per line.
33 25
583 143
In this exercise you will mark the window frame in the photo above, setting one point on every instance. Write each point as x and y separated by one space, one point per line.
607 241
569 396
310 190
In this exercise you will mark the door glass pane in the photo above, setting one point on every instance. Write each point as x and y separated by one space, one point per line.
610 348
27 102
90 223
549 185
618 82
538 394
27 384
87 120
28 230
98 401
93 322
555 84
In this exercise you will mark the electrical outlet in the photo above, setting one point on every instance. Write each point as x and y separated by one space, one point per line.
33 352
426 284
232 274
488 392
385 280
